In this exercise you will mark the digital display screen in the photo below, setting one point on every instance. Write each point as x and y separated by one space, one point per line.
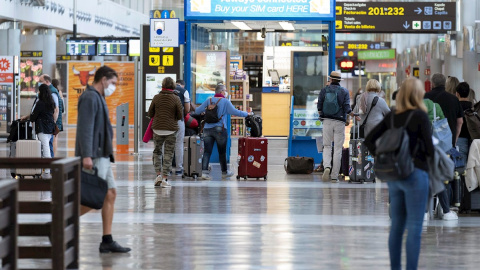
134 47
107 47
81 47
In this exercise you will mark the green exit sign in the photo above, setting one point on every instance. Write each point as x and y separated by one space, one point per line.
377 54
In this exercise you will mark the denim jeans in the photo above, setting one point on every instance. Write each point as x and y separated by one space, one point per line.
212 135
408 200
463 148
51 147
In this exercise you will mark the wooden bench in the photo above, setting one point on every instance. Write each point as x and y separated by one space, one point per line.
8 224
64 208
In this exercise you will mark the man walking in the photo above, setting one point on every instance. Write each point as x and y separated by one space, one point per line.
333 106
452 109
94 145
185 100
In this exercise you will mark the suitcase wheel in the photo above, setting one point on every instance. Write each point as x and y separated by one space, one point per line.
245 178
13 175
238 177
258 179
195 176
183 175
265 178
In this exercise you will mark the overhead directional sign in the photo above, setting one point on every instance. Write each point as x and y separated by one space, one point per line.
395 17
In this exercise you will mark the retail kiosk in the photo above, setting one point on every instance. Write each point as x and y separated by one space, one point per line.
295 73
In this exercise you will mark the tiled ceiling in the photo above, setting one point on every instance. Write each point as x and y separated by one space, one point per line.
258 25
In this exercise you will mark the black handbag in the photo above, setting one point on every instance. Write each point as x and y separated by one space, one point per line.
299 165
93 190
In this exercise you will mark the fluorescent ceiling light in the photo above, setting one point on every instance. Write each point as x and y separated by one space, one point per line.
242 25
287 26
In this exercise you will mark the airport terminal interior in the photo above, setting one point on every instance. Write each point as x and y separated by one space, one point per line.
274 57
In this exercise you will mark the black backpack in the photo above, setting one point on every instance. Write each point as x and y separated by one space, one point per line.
211 112
254 122
180 91
393 158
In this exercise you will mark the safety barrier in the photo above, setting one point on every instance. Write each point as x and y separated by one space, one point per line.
8 224
63 230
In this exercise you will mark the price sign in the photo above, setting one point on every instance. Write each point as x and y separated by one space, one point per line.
395 17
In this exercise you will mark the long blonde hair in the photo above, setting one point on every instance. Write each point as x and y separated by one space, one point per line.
410 96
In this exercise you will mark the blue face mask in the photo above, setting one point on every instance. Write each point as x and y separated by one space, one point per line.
39 83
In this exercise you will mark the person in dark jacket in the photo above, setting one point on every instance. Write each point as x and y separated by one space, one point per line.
61 110
94 145
408 196
464 139
42 116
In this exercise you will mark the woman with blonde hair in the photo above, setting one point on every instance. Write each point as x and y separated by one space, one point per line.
451 85
408 196
372 108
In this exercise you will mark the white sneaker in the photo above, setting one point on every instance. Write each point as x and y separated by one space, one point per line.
450 216
165 184
227 174
326 174
205 175
158 181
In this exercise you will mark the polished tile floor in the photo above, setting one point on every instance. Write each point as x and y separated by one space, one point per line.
287 222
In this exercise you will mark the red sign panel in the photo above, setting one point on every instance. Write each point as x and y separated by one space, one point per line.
6 69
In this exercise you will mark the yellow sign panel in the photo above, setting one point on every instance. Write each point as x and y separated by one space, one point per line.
168 49
150 49
172 14
416 73
157 14
154 60
338 10
161 69
168 60
338 24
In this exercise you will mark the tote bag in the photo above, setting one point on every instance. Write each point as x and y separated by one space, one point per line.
441 131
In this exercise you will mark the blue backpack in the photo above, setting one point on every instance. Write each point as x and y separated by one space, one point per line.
330 104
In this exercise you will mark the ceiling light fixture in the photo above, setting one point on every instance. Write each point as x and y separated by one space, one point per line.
241 25
287 26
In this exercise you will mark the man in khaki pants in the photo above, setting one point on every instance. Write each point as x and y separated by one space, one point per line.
333 106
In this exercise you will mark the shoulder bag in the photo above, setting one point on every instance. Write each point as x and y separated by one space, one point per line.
93 189
441 131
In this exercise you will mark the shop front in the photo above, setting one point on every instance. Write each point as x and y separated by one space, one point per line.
247 45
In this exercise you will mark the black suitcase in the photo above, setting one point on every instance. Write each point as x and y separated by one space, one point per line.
361 161
345 162
470 200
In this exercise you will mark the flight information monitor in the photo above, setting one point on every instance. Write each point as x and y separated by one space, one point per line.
81 47
107 47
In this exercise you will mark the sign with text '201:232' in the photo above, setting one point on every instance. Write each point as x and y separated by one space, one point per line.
164 32
288 9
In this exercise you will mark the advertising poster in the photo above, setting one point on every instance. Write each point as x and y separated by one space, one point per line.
153 84
79 75
30 71
210 70
125 91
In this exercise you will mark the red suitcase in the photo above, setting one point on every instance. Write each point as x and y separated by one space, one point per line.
252 154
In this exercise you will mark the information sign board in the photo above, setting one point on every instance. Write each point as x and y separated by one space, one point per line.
285 9
164 32
377 54
395 17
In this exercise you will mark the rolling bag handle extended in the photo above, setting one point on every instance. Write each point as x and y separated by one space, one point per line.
357 134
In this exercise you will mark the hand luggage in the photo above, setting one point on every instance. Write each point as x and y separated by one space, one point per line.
470 200
193 148
299 165
254 122
26 148
361 161
252 155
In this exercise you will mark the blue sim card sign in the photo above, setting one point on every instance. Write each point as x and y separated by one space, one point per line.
264 9
164 32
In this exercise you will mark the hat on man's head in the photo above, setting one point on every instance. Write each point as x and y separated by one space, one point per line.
336 75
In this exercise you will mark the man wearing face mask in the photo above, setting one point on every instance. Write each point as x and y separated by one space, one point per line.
94 146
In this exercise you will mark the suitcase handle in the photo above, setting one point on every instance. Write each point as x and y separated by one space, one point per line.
356 135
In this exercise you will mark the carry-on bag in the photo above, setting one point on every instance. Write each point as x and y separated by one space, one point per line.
93 189
345 162
361 161
299 165
27 147
254 122
252 158
193 148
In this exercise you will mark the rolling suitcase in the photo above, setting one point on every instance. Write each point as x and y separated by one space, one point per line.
361 161
193 148
252 155
26 148
345 162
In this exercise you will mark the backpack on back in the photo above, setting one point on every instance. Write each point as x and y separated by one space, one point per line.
393 159
211 112
473 121
330 104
